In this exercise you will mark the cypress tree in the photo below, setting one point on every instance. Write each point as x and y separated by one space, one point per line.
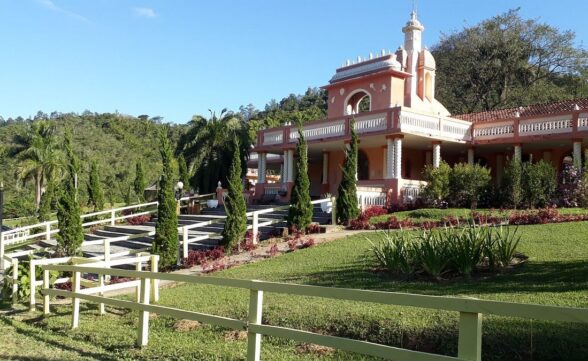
71 233
235 207
300 211
166 242
183 171
95 192
139 184
512 191
47 202
347 207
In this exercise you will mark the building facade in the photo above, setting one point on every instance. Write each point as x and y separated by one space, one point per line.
390 97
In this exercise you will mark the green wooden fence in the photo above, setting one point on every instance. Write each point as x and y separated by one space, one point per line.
470 311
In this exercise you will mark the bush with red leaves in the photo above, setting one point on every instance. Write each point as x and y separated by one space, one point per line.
199 257
273 251
139 220
313 228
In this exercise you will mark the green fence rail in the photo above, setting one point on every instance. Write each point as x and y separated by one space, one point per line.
470 311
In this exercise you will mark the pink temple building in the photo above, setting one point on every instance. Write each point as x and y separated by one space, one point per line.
402 128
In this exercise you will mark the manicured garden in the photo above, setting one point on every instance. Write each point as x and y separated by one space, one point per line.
556 273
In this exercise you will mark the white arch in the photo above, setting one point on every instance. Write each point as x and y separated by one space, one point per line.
354 111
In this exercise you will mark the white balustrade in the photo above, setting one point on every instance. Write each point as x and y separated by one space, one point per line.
583 121
276 137
546 126
410 194
371 196
454 129
494 130
371 123
322 130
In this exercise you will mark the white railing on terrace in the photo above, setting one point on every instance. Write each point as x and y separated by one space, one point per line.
410 194
583 121
494 130
369 198
321 130
545 126
370 123
276 137
454 129
471 311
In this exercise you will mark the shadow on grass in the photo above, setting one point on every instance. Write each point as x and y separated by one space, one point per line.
39 334
529 277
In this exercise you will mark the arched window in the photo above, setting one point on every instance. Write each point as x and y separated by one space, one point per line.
363 166
358 102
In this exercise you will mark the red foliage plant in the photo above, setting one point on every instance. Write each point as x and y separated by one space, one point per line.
139 220
200 257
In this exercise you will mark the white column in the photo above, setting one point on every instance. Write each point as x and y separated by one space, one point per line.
325 168
436 154
518 152
389 158
397 158
290 165
471 156
499 167
285 167
261 158
578 154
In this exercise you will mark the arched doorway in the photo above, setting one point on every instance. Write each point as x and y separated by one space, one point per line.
363 166
357 102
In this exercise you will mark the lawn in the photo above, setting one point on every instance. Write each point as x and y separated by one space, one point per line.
555 274
435 214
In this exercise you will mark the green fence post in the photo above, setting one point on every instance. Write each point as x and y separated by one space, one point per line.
254 317
470 336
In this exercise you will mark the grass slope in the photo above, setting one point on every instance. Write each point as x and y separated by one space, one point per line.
556 274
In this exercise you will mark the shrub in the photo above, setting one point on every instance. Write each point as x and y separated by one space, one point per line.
235 207
347 207
300 211
437 189
432 254
139 220
467 184
538 183
394 252
465 247
506 242
24 280
569 188
199 257
512 192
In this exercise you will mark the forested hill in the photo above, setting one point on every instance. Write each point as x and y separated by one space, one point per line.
116 142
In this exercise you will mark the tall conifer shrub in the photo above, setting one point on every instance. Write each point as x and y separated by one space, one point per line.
71 233
166 242
300 211
139 184
95 192
235 208
347 205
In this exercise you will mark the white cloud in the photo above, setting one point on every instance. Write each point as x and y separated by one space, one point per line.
144 12
50 5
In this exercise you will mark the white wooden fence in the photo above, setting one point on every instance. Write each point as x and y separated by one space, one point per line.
470 312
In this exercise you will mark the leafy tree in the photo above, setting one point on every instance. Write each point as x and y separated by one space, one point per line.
183 170
467 184
300 211
207 148
235 208
539 183
71 233
512 187
569 187
38 156
48 200
139 184
347 205
508 61
166 243
95 192
436 192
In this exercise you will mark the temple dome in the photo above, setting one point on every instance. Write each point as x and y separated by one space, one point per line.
426 59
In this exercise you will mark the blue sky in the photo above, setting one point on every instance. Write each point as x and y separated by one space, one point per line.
176 58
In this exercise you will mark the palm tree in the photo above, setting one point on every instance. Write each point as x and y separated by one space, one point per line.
38 155
208 148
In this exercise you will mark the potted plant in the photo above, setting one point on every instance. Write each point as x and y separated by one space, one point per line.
327 207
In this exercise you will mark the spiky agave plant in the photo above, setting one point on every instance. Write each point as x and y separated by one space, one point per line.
394 252
432 254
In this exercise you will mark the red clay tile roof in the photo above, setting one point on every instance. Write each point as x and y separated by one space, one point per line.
526 111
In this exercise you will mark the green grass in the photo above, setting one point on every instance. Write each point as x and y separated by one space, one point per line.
556 274
435 214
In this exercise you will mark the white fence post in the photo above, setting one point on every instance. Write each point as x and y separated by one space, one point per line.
470 336
185 232
112 217
154 282
33 281
2 264
75 316
255 227
334 211
138 267
47 231
101 308
45 297
14 281
143 336
254 317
